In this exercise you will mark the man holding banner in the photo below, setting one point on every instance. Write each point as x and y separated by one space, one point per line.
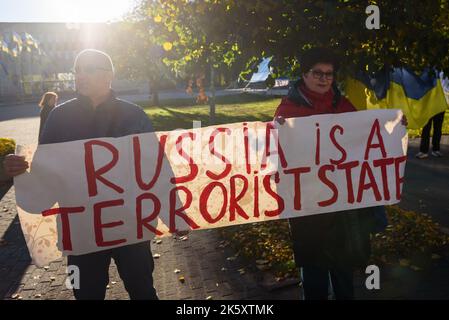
333 243
97 113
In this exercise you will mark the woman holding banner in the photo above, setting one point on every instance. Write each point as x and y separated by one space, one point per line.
331 244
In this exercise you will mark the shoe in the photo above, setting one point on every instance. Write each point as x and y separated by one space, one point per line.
422 155
437 154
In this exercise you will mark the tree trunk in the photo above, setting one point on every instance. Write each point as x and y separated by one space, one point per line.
212 98
154 93
155 97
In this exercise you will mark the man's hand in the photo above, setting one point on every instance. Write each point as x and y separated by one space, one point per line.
14 165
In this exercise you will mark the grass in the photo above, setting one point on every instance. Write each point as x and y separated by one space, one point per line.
179 114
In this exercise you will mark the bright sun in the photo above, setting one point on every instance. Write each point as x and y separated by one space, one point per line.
90 10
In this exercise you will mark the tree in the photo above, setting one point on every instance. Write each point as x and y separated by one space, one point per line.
137 57
412 33
208 34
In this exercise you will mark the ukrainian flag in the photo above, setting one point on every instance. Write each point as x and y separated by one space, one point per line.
419 97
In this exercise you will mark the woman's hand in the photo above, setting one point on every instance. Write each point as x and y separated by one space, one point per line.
280 120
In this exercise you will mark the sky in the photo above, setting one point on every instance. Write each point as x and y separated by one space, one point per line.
63 10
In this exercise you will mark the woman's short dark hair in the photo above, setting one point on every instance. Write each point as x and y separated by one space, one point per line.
318 55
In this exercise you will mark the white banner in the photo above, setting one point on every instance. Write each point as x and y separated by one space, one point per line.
91 195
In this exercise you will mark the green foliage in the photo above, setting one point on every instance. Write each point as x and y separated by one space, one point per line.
230 32
137 57
7 146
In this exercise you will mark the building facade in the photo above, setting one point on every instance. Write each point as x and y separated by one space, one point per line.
37 57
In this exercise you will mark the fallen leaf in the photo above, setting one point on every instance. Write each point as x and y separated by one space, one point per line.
224 269
230 258
209 298
177 271
182 279
404 262
224 244
156 256
15 296
263 267
113 282
159 241
38 295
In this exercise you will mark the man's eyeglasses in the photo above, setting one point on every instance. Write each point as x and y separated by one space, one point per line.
318 74
88 69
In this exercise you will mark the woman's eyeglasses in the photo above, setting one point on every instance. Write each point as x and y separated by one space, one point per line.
318 74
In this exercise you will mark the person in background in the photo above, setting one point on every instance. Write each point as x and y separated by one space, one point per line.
48 102
437 122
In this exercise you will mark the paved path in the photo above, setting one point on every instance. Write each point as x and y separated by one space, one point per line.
426 186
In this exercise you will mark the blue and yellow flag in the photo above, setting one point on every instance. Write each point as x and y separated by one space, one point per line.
419 97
